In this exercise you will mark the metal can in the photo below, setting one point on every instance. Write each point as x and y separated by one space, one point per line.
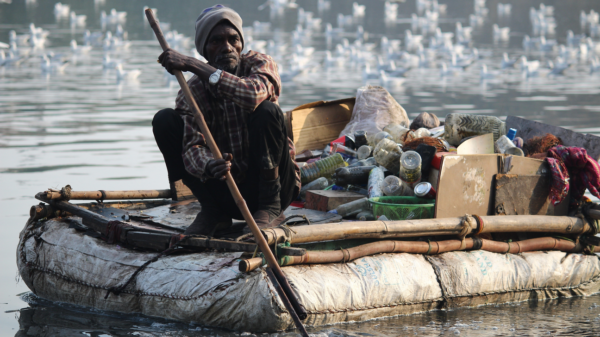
425 190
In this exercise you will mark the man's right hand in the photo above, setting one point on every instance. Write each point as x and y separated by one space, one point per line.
218 168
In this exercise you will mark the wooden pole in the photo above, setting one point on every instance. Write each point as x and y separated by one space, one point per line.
418 247
237 196
110 195
428 227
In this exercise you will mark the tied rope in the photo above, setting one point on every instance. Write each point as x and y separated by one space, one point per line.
468 224
172 246
65 193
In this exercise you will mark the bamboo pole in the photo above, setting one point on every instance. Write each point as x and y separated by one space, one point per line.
294 307
110 195
427 227
417 247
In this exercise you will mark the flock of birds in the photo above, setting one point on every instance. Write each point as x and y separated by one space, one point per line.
425 45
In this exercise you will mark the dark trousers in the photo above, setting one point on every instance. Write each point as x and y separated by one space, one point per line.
268 146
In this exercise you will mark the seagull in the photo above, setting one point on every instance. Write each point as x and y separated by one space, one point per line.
77 20
504 9
547 45
358 11
49 66
447 72
79 49
390 82
61 11
20 40
485 74
559 67
92 39
595 65
129 75
397 72
529 68
507 62
368 74
323 5
331 61
501 34
107 63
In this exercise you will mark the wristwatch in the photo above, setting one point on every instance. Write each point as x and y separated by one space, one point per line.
215 77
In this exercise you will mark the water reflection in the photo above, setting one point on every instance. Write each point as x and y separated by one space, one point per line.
85 127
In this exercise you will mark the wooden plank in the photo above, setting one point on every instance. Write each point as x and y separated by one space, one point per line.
180 192
327 200
527 129
522 195
318 123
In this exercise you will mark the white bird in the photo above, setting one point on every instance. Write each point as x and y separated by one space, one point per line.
333 33
595 65
391 11
574 40
475 20
129 75
504 9
77 21
344 20
412 42
448 71
79 49
507 62
358 11
368 74
390 82
529 43
120 32
323 5
108 63
21 40
501 34
547 45
396 71
61 11
485 74
463 34
558 68
51 66
529 68
92 39
333 62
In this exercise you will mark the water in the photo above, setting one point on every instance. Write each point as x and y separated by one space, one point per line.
83 128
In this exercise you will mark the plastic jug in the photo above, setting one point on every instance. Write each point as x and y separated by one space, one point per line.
321 168
351 175
352 208
394 186
459 126
376 182
319 184
387 154
374 140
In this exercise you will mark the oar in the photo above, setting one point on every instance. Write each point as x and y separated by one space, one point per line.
285 290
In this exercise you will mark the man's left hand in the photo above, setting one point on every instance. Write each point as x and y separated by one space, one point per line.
173 60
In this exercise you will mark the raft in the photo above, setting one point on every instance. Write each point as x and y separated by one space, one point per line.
62 259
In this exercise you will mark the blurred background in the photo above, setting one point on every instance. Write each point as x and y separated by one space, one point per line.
79 86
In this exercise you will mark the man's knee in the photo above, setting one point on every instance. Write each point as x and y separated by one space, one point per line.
265 115
165 121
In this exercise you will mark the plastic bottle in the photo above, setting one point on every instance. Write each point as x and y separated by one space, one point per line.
357 189
410 167
344 151
459 126
387 154
364 152
351 175
319 184
364 162
321 168
360 138
396 131
365 216
378 137
352 208
394 186
376 182
422 132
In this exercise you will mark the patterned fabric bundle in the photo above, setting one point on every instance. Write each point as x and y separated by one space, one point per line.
571 166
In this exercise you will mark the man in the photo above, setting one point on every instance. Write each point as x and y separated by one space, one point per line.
237 95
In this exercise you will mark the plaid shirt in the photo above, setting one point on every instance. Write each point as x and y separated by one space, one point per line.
225 107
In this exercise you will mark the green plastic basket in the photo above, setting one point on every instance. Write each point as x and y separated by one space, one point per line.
403 208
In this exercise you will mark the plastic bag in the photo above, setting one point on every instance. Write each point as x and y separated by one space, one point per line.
374 109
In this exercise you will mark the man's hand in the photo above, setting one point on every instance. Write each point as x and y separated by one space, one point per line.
173 60
218 168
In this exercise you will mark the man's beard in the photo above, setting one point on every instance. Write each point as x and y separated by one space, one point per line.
225 63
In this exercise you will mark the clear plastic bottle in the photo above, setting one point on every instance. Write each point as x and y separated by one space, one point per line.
376 182
422 132
396 131
364 152
352 208
364 162
321 168
505 145
344 151
374 140
387 154
459 126
351 175
365 216
319 184
410 167
394 186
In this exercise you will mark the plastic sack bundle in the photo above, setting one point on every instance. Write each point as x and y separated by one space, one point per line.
374 109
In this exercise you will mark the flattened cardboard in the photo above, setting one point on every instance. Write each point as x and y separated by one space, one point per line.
522 195
483 144
314 125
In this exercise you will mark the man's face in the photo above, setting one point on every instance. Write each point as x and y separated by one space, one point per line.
224 47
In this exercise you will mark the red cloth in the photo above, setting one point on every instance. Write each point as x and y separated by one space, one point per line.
571 167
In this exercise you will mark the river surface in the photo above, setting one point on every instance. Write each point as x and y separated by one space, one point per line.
85 128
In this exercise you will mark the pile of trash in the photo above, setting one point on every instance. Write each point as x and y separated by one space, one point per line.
381 156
